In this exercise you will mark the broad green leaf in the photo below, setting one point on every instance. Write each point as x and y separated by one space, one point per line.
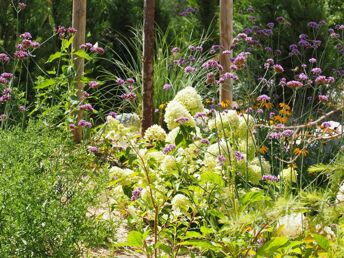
207 231
192 234
273 245
55 56
211 177
44 84
82 53
322 241
66 43
135 238
252 197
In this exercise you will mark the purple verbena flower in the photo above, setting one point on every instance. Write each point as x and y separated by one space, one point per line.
181 120
271 178
84 123
25 35
287 133
136 194
294 84
167 86
189 69
92 149
263 98
93 84
4 58
87 107
20 54
323 98
239 156
168 148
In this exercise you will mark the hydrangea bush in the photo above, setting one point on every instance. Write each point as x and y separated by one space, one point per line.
203 184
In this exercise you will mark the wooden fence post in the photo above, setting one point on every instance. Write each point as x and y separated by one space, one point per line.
79 23
147 72
226 37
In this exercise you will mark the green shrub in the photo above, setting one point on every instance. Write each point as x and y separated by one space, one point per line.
47 186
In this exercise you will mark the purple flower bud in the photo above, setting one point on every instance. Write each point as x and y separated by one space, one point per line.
287 133
113 114
93 84
168 148
87 107
167 86
323 98
83 123
4 58
189 69
20 54
181 120
25 35
263 98
221 159
136 194
239 156
92 149
175 50
271 178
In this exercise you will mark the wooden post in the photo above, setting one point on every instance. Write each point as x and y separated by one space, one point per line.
79 23
226 37
147 73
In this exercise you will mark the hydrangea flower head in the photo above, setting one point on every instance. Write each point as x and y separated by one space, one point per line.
175 110
155 133
190 99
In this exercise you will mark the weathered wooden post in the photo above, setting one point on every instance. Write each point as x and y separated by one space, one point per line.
226 37
79 23
147 71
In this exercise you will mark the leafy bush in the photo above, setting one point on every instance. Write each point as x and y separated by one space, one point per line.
47 186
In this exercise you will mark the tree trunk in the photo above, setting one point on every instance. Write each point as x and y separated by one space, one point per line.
147 75
79 23
226 36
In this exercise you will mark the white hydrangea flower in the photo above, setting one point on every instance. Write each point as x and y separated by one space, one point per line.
180 203
340 195
190 99
174 111
226 123
169 165
119 172
158 156
125 175
292 224
171 136
213 151
265 165
155 133
288 175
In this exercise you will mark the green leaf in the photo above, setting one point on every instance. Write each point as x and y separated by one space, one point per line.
211 177
272 246
202 245
135 238
252 197
66 43
207 231
46 83
322 241
82 53
192 234
55 56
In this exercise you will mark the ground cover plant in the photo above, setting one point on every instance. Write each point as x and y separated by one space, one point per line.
257 176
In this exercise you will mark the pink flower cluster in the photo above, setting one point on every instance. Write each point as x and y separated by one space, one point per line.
92 48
